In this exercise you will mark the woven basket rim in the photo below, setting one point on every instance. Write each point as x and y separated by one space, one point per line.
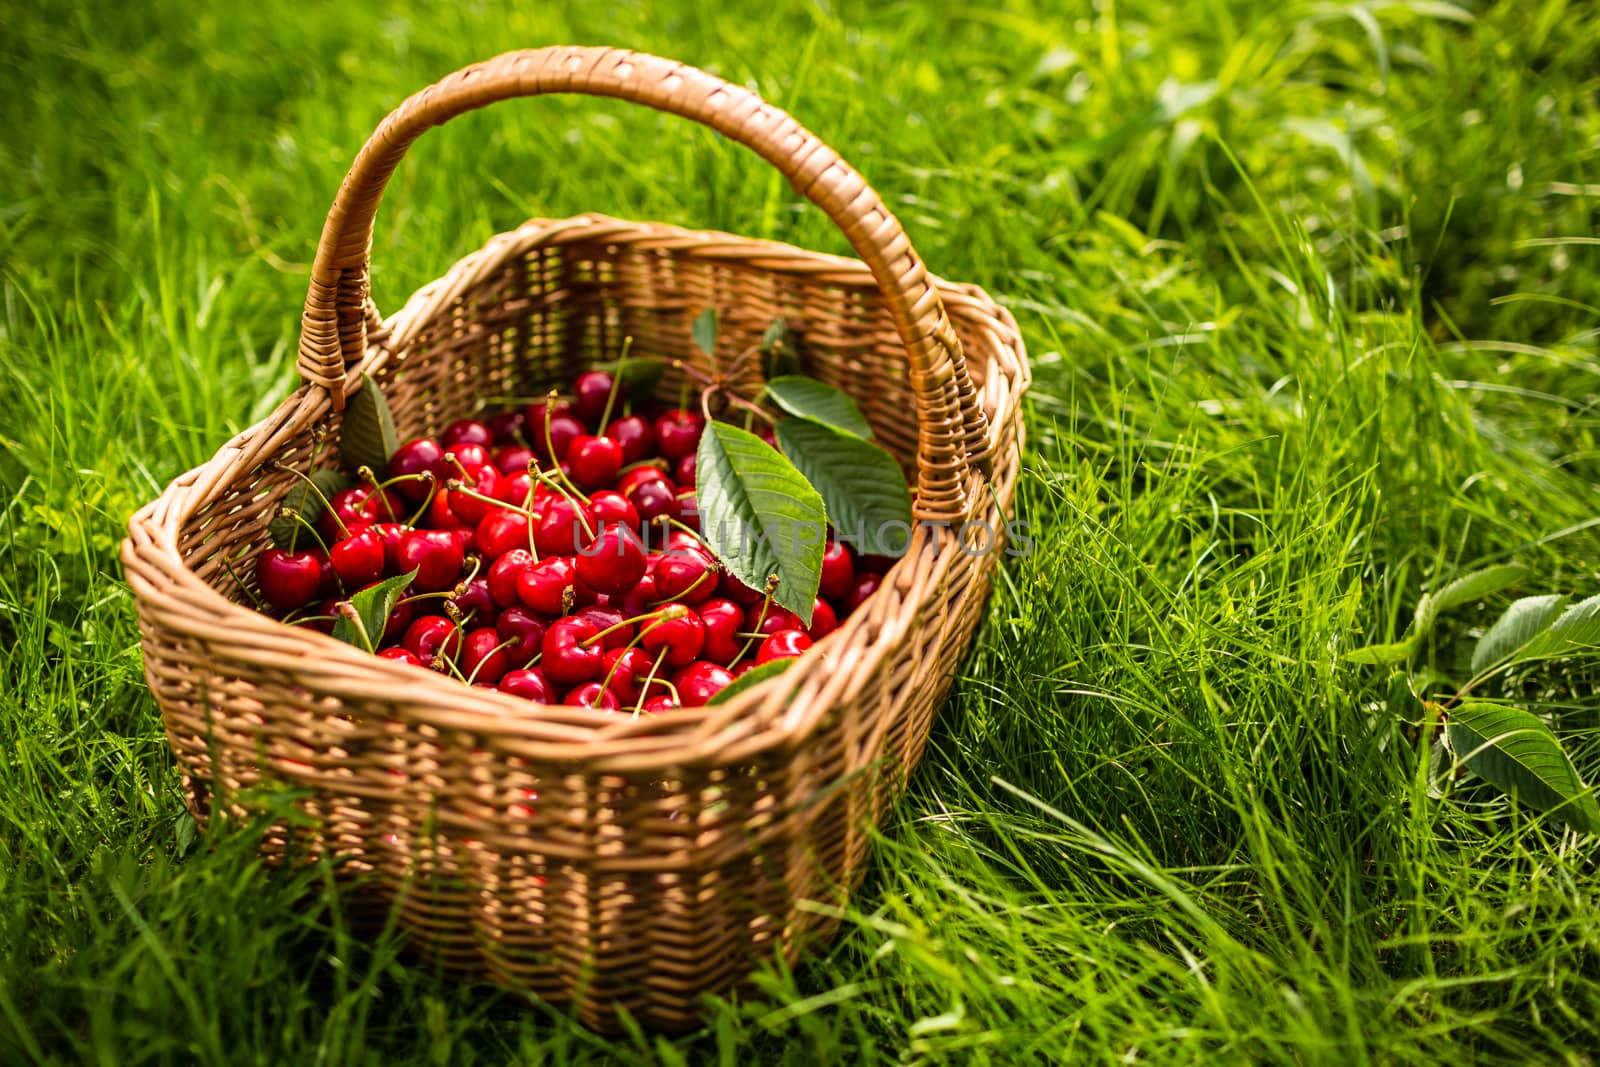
780 710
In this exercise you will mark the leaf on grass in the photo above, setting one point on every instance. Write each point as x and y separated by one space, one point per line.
1515 751
1523 621
705 332
368 437
286 531
1575 631
373 606
862 487
760 515
752 678
1391 653
820 402
1477 585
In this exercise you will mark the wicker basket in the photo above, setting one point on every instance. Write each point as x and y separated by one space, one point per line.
590 858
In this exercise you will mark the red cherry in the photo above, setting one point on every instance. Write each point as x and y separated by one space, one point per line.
595 461
506 426
642 597
343 514
838 570
482 658
591 391
359 558
513 459
566 528
470 506
739 670
767 434
522 626
567 660
401 655
392 533
678 631
503 575
547 585
288 580
530 684
698 682
634 477
723 620
823 620
502 530
466 432
654 500
437 556
685 575
785 644
736 591
656 705
635 436
329 581
475 601
609 506
592 695
409 462
516 488
614 563
689 509
556 440
627 669
614 626
678 433
775 619
463 460
534 415
866 585
322 617
684 471
431 636
440 515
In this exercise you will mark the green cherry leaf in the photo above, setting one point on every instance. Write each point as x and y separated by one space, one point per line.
862 486
368 438
705 332
820 402
760 516
1516 752
752 678
373 606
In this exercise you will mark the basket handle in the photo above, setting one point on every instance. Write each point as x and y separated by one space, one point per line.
339 310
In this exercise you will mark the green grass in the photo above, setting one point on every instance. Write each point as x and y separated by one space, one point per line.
1313 296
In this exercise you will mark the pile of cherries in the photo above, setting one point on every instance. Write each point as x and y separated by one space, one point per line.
557 558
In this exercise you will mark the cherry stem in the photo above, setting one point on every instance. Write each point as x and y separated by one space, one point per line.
748 408
661 614
650 679
301 520
616 382
507 643
255 598
427 498
737 362
365 474
766 604
326 503
580 503
456 485
712 575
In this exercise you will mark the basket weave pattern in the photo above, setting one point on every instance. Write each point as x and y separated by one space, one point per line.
591 858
